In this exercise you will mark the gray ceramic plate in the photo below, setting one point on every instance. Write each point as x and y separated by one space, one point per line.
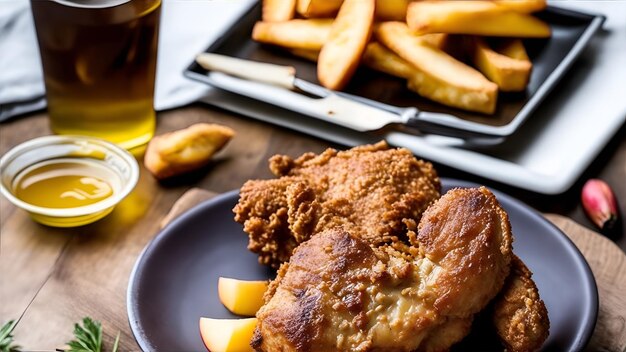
174 281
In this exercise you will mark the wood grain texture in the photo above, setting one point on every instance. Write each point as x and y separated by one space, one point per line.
39 249
608 264
187 201
51 278
90 276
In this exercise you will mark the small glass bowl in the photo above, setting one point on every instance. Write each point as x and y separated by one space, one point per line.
116 160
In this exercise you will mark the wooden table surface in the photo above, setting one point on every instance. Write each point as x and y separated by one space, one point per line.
51 278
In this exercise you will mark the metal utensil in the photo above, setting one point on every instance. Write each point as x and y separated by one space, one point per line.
354 112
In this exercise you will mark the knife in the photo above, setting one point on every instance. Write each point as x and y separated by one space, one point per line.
347 110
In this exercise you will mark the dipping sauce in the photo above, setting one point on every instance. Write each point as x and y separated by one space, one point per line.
65 183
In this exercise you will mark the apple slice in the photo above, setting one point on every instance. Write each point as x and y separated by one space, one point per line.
240 296
227 335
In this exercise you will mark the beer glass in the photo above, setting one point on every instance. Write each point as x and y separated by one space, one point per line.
99 64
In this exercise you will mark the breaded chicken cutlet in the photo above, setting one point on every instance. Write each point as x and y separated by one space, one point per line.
369 190
338 293
519 315
378 195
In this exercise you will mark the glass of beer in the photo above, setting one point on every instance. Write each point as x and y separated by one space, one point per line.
99 64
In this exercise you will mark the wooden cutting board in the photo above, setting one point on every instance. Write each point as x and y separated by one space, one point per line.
607 261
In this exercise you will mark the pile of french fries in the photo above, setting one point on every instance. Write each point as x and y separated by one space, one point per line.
438 46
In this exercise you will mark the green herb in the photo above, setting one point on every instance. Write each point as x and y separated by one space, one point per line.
6 339
89 337
116 343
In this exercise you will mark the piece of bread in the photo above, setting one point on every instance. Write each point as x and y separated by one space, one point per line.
185 150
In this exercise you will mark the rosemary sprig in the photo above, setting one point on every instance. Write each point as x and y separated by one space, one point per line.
6 338
88 337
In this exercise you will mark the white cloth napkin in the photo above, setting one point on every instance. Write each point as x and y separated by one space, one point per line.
21 83
187 28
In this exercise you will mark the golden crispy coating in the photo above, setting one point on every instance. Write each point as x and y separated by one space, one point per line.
369 190
185 150
520 316
338 292
466 218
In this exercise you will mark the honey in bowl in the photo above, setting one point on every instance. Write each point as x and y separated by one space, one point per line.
65 183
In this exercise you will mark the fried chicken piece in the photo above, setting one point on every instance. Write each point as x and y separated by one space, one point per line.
519 315
368 190
338 292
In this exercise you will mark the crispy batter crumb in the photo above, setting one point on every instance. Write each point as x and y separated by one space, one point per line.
420 303
370 189
378 196
520 316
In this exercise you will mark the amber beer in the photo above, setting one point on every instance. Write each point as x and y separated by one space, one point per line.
99 63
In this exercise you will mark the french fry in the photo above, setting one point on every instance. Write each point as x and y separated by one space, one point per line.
302 34
349 35
278 10
391 10
523 6
381 59
473 17
513 48
454 45
318 8
311 55
438 40
441 77
511 75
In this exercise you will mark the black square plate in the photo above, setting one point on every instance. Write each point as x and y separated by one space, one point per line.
551 58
